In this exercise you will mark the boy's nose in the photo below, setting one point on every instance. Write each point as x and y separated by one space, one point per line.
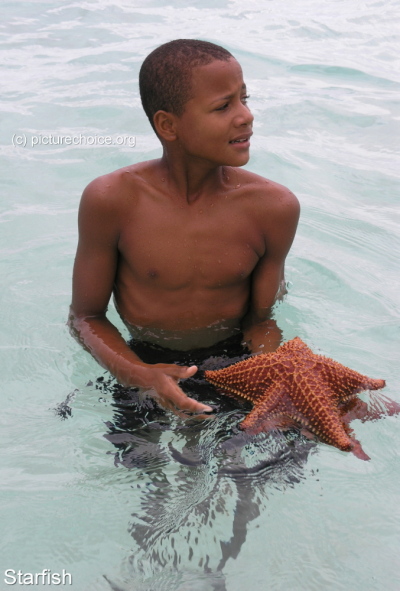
244 116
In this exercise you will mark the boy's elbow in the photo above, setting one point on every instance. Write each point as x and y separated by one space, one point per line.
76 320
72 323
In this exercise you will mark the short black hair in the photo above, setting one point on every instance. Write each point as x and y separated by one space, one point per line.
166 74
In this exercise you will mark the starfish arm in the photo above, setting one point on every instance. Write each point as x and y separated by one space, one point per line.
358 450
245 380
346 382
271 412
234 390
317 410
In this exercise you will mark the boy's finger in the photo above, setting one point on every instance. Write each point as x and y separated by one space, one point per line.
190 371
179 372
190 405
184 414
183 402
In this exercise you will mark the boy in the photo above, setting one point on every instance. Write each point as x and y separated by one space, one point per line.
191 246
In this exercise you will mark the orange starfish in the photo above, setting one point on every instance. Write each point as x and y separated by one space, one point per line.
295 387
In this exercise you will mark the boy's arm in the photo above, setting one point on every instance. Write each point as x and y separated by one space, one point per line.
260 330
93 279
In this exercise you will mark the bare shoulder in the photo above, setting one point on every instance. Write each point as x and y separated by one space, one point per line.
273 210
111 189
268 196
109 200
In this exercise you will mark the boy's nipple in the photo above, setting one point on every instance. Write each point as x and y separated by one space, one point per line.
152 273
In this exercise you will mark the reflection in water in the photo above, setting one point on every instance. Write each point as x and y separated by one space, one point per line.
198 484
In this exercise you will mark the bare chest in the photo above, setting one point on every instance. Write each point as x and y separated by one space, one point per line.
177 248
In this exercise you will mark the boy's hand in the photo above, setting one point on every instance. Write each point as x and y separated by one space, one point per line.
161 383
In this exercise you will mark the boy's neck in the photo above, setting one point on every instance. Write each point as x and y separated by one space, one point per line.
190 179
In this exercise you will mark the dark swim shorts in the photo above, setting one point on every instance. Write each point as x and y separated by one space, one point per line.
224 352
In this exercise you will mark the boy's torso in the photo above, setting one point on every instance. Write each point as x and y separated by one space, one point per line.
185 267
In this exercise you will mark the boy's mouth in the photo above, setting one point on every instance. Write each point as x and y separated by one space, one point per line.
241 139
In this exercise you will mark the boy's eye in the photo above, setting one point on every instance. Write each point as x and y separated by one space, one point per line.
244 100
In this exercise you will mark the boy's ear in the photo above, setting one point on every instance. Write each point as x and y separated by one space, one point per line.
164 123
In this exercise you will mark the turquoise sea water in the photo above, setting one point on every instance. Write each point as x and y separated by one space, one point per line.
194 511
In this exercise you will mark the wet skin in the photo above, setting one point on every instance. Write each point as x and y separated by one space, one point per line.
191 246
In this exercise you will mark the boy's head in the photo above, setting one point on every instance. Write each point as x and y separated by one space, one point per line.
166 74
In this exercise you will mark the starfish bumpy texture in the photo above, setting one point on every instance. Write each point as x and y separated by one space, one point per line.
295 387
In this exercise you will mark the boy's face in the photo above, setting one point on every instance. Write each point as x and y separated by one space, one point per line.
216 124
